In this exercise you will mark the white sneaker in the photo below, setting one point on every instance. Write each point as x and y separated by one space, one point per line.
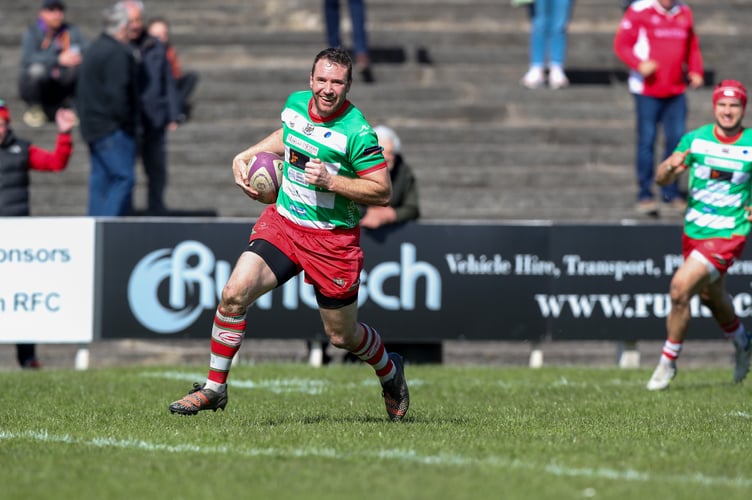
557 79
742 358
662 376
534 78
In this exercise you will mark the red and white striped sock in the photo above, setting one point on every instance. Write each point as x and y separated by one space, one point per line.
671 351
227 335
372 351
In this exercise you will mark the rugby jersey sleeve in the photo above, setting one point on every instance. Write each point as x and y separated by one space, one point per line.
366 152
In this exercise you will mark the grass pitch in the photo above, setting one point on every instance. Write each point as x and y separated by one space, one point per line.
292 431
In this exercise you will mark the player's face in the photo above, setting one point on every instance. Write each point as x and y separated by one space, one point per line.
728 114
330 86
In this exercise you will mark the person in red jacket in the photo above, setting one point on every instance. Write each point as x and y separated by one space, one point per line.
17 157
656 39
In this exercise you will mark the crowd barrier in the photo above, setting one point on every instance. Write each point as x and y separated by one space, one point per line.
79 279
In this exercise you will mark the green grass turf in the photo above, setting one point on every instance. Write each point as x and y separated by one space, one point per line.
292 431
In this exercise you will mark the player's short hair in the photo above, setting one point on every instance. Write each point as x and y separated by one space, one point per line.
337 56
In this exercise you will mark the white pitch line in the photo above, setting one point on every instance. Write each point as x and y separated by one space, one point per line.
401 455
276 386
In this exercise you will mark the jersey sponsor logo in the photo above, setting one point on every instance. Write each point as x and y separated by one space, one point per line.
306 146
721 175
326 137
291 118
298 159
671 33
712 161
728 152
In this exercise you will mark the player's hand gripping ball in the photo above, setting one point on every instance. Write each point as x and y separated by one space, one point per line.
265 175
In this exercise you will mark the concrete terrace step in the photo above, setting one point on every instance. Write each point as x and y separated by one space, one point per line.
447 74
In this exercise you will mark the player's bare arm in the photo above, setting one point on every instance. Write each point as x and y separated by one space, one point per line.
272 142
671 167
374 188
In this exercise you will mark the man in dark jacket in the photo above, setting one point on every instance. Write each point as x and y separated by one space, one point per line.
159 102
107 106
17 157
51 51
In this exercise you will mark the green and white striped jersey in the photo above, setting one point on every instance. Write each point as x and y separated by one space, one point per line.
719 184
345 143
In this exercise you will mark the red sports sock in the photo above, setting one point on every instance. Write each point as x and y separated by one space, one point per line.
372 351
227 335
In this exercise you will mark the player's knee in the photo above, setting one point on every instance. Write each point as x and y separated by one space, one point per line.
680 296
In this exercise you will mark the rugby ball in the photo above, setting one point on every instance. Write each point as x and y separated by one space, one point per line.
265 175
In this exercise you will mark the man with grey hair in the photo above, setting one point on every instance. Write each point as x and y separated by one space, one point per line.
107 105
403 205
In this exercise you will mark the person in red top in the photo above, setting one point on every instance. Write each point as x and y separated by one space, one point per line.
657 41
17 157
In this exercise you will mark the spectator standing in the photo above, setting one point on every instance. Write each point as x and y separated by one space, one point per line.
313 227
185 81
403 205
656 40
332 18
107 105
549 20
716 226
17 157
158 103
51 53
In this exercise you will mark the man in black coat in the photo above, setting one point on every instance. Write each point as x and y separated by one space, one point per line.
107 106
160 106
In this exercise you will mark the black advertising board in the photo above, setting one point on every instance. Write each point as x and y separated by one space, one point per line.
421 282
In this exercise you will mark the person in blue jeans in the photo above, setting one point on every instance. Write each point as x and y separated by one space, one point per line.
357 10
548 43
107 105
657 42
652 112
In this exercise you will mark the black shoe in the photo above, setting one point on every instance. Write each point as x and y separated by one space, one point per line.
396 395
199 399
367 74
